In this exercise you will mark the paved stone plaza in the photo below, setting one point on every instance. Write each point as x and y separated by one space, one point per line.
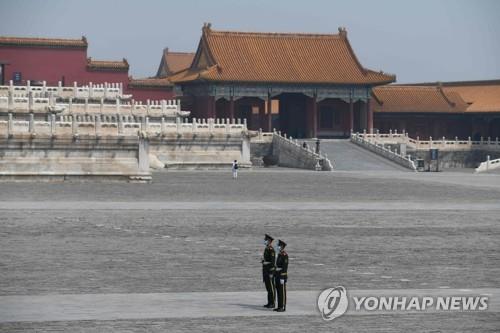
197 235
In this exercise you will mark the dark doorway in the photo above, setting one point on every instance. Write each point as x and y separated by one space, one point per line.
333 119
292 118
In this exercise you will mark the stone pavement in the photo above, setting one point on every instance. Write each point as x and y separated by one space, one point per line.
200 232
48 308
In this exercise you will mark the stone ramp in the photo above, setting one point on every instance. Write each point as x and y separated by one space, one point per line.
349 157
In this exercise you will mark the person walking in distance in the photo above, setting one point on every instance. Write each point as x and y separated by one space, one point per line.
281 276
268 270
235 169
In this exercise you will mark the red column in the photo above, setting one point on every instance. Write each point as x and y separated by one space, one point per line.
351 115
369 115
231 108
269 119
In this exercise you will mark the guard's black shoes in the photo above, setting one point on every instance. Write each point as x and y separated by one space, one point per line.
279 310
269 306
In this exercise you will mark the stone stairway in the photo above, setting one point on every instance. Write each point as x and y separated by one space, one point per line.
349 157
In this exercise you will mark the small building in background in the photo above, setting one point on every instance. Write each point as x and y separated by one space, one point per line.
173 62
66 60
449 109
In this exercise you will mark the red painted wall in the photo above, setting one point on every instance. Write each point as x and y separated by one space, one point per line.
51 64
152 94
44 64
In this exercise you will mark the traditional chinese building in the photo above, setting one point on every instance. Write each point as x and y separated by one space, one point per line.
53 60
316 83
449 109
173 62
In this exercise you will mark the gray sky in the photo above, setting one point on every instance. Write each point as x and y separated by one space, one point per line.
424 40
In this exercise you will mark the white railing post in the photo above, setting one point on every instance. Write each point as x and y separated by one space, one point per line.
120 123
52 124
10 103
97 124
74 125
32 123
10 126
30 101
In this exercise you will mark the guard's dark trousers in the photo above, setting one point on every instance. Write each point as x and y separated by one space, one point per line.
281 292
269 282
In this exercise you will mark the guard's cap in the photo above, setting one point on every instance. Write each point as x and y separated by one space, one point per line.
267 237
281 243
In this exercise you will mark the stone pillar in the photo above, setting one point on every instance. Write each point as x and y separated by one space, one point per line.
369 116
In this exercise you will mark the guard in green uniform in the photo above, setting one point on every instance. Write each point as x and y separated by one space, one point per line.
281 276
268 267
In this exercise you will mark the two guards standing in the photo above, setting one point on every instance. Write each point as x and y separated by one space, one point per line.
274 273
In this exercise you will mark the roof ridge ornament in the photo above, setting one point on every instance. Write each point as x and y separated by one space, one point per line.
343 31
206 26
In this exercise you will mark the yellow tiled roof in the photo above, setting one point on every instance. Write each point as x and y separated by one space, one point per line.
107 65
150 82
395 98
278 58
481 98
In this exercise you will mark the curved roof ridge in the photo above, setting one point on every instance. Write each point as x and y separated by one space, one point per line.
397 86
274 34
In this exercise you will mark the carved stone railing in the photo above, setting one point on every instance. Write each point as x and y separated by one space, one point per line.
291 153
116 125
47 105
91 91
488 165
380 150
393 137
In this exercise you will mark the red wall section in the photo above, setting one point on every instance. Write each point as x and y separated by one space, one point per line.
52 64
152 94
44 64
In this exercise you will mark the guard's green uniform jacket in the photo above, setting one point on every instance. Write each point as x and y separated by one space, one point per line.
281 275
282 266
268 260
268 273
